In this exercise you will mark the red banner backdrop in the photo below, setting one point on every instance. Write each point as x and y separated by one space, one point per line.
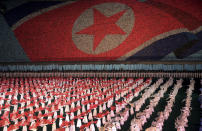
100 30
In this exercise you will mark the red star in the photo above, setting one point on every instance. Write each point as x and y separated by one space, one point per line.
102 26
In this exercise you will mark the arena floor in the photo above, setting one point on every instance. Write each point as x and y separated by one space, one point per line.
97 103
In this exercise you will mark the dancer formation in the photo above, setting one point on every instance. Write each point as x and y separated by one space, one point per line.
90 103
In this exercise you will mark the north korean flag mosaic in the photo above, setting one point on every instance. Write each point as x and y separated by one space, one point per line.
102 30
100 65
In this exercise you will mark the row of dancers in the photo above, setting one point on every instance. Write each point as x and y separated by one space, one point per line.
63 103
89 104
182 120
141 118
